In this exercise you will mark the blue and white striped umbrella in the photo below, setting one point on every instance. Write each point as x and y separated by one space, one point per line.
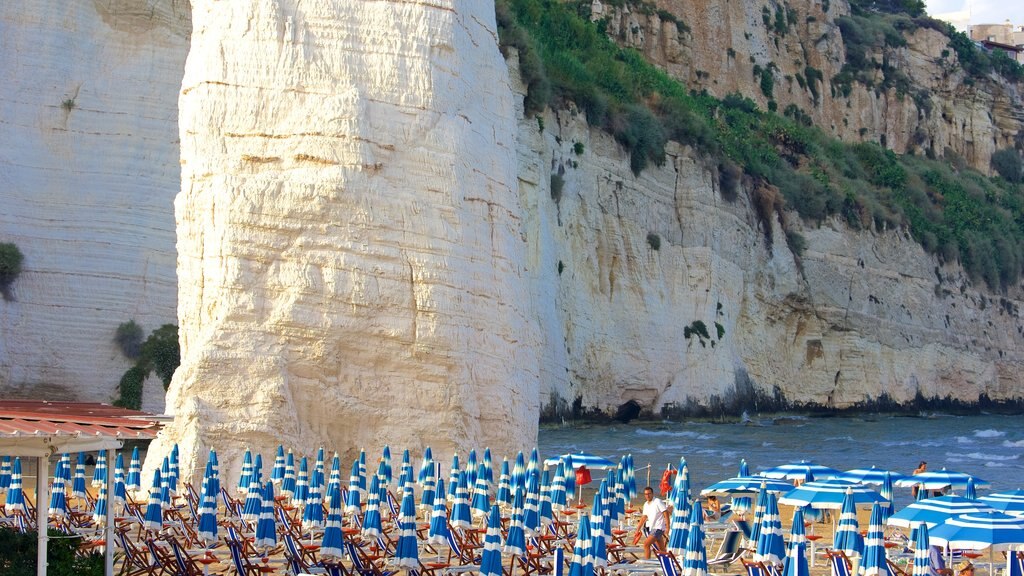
165 484
207 528
318 465
979 531
58 494
796 558
134 480
847 535
99 512
245 477
172 478
695 559
372 524
453 477
531 508
288 482
518 476
99 473
871 475
515 540
490 561
558 501
771 547
618 496
577 459
481 503
682 481
253 505
583 557
471 467
120 489
353 505
488 464
15 502
429 493
277 472
332 544
606 502
405 476
407 554
742 504
5 472
970 492
301 493
680 524
385 468
831 494
153 519
922 553
504 495
266 528
361 484
533 464
1010 502
313 513
426 466
631 491
78 485
759 510
460 508
334 481
935 511
570 476
799 470
438 531
886 492
873 562
939 479
746 485
546 512
598 535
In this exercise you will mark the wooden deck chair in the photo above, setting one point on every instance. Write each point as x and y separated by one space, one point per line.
461 552
186 565
838 561
729 551
758 568
161 557
302 562
136 561
669 565
896 569
1015 563
363 564
242 562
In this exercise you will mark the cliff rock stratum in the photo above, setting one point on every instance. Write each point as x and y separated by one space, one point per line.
365 239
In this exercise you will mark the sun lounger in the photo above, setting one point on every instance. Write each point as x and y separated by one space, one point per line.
729 551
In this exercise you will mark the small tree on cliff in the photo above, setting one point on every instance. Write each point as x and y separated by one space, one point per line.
10 267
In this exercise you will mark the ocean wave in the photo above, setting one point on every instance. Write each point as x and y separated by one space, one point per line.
995 465
914 443
965 440
1013 444
840 438
680 434
989 433
982 456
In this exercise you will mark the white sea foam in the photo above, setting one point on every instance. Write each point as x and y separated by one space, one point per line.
838 438
995 465
965 440
989 433
679 434
981 456
1013 444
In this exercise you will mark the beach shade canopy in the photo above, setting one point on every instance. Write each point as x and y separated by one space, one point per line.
153 519
695 559
5 472
746 485
582 557
15 502
1010 502
277 472
831 494
598 535
207 529
461 516
407 553
490 562
134 481
372 524
940 479
680 524
99 512
980 530
58 494
847 536
873 563
575 460
266 531
438 531
871 475
515 540
332 544
771 547
922 553
796 559
481 502
799 470
935 511
504 495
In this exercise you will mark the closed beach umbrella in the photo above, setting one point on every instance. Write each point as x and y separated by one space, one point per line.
253 506
939 479
372 525
334 480
886 492
518 477
385 468
630 478
481 503
598 536
438 531
970 492
78 484
980 530
172 477
831 494
490 561
531 509
796 559
873 563
99 473
99 512
318 466
313 513
120 489
532 465
847 536
799 470
266 531
935 511
546 512
332 544
471 467
245 477
488 468
5 473
453 477
165 483
582 557
361 484
871 475
426 466
405 477
277 472
215 488
557 487
460 509
58 495
352 501
743 504
15 502
288 482
504 495
134 480
695 560
682 481
570 476
153 519
407 549
301 493
429 493
1010 502
680 524
207 528
515 541
922 557
771 548
759 509
796 530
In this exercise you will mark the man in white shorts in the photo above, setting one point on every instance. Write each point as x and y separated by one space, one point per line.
655 517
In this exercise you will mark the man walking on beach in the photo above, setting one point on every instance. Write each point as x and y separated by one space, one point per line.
655 518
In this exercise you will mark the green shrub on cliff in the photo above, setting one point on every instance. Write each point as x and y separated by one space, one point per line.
160 353
11 259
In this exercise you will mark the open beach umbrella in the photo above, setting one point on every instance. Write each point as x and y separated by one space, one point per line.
134 480
504 495
438 531
873 562
979 531
5 472
372 525
120 490
277 472
831 494
771 547
598 536
1010 502
288 481
58 495
576 459
799 470
15 502
453 477
266 531
582 557
207 528
695 559
301 493
99 512
515 540
172 477
847 536
99 473
935 511
313 512
796 558
407 553
461 517
78 484
970 492
546 512
481 503
153 519
871 475
746 485
332 544
680 524
558 501
531 510
353 505
939 479
490 560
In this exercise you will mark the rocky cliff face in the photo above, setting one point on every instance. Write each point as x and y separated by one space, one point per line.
88 174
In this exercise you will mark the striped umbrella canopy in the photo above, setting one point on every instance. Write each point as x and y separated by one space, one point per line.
288 481
266 529
515 540
873 562
871 475
5 472
361 484
277 472
334 480
58 494
301 493
1010 502
598 535
430 488
426 467
253 505
490 561
796 558
353 505
533 464
372 525
886 492
245 477
557 487
15 501
480 504
134 480
165 483
831 494
120 490
172 478
207 528
64 467
680 524
546 513
799 470
939 479
630 478
682 481
99 512
583 557
318 465
935 511
922 558
313 512
215 482
570 476
407 554
384 467
488 468
970 492
453 477
980 530
461 517
759 510
746 485
518 478
78 484
99 473
741 505
471 468
847 535
531 510
504 495
332 544
619 497
695 559
405 473
577 459
153 519
438 531
771 547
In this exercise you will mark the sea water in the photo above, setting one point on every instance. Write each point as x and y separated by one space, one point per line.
987 446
